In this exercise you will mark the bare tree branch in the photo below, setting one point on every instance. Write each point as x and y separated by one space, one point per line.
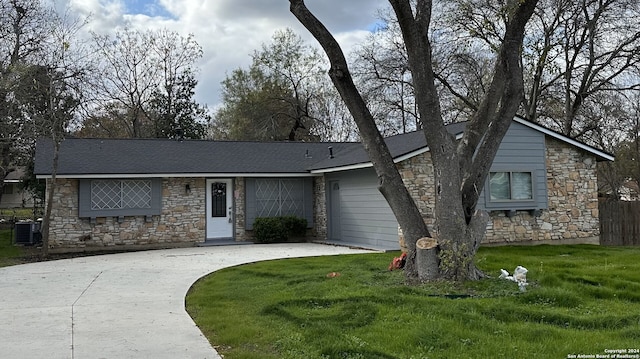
390 183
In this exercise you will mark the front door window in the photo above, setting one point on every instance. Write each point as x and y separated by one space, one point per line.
218 199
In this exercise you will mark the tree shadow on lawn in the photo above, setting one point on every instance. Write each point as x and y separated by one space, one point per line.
344 353
345 313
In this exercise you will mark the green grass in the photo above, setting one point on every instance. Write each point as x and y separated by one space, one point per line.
17 212
9 254
581 300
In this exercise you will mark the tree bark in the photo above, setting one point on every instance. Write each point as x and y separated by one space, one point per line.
462 168
459 169
390 182
427 258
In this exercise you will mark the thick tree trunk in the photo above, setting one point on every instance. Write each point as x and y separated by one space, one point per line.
427 258
460 169
459 244
390 182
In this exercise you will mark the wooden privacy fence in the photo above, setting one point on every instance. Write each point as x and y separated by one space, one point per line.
619 223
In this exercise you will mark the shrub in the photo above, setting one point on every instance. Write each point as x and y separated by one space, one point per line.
269 230
278 229
295 226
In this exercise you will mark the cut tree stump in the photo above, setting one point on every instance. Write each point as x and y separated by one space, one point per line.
427 261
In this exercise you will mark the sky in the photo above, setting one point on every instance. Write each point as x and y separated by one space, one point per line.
228 30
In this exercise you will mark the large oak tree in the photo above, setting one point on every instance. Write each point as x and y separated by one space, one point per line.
461 167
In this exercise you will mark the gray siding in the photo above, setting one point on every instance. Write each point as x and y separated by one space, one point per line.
365 217
521 150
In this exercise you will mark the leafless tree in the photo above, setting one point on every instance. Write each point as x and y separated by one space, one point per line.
460 167
573 51
145 78
382 73
25 28
40 88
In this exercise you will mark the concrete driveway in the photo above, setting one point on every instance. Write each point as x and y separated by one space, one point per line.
128 305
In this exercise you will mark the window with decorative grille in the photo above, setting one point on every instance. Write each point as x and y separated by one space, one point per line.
120 194
120 197
279 197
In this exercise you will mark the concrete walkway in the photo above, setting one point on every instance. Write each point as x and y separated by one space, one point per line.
128 305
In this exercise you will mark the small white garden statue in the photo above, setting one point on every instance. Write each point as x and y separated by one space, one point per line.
519 276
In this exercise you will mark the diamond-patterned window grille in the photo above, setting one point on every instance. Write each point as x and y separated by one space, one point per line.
105 194
136 194
279 197
119 194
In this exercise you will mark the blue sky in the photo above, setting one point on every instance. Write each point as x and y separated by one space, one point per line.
227 30
151 8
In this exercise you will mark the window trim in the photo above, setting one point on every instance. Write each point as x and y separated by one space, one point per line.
307 193
84 200
510 199
512 204
280 200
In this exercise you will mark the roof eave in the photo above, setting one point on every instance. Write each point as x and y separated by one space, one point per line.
356 166
174 175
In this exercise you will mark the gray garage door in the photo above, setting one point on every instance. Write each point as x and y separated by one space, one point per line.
358 213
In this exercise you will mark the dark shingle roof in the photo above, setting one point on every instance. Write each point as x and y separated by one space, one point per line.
92 157
399 145
80 156
158 156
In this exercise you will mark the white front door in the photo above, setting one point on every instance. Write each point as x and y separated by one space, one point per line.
219 208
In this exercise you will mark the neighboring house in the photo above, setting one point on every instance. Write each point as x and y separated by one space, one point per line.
13 196
630 191
132 193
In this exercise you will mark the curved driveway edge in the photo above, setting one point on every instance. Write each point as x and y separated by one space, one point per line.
127 305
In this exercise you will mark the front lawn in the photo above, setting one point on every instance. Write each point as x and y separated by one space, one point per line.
9 254
581 300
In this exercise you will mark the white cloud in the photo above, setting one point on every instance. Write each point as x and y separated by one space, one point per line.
228 30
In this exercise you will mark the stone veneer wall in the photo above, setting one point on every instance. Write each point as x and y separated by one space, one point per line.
417 174
239 209
572 212
181 222
319 208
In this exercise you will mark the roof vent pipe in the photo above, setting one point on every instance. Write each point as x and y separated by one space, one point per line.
179 134
330 152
